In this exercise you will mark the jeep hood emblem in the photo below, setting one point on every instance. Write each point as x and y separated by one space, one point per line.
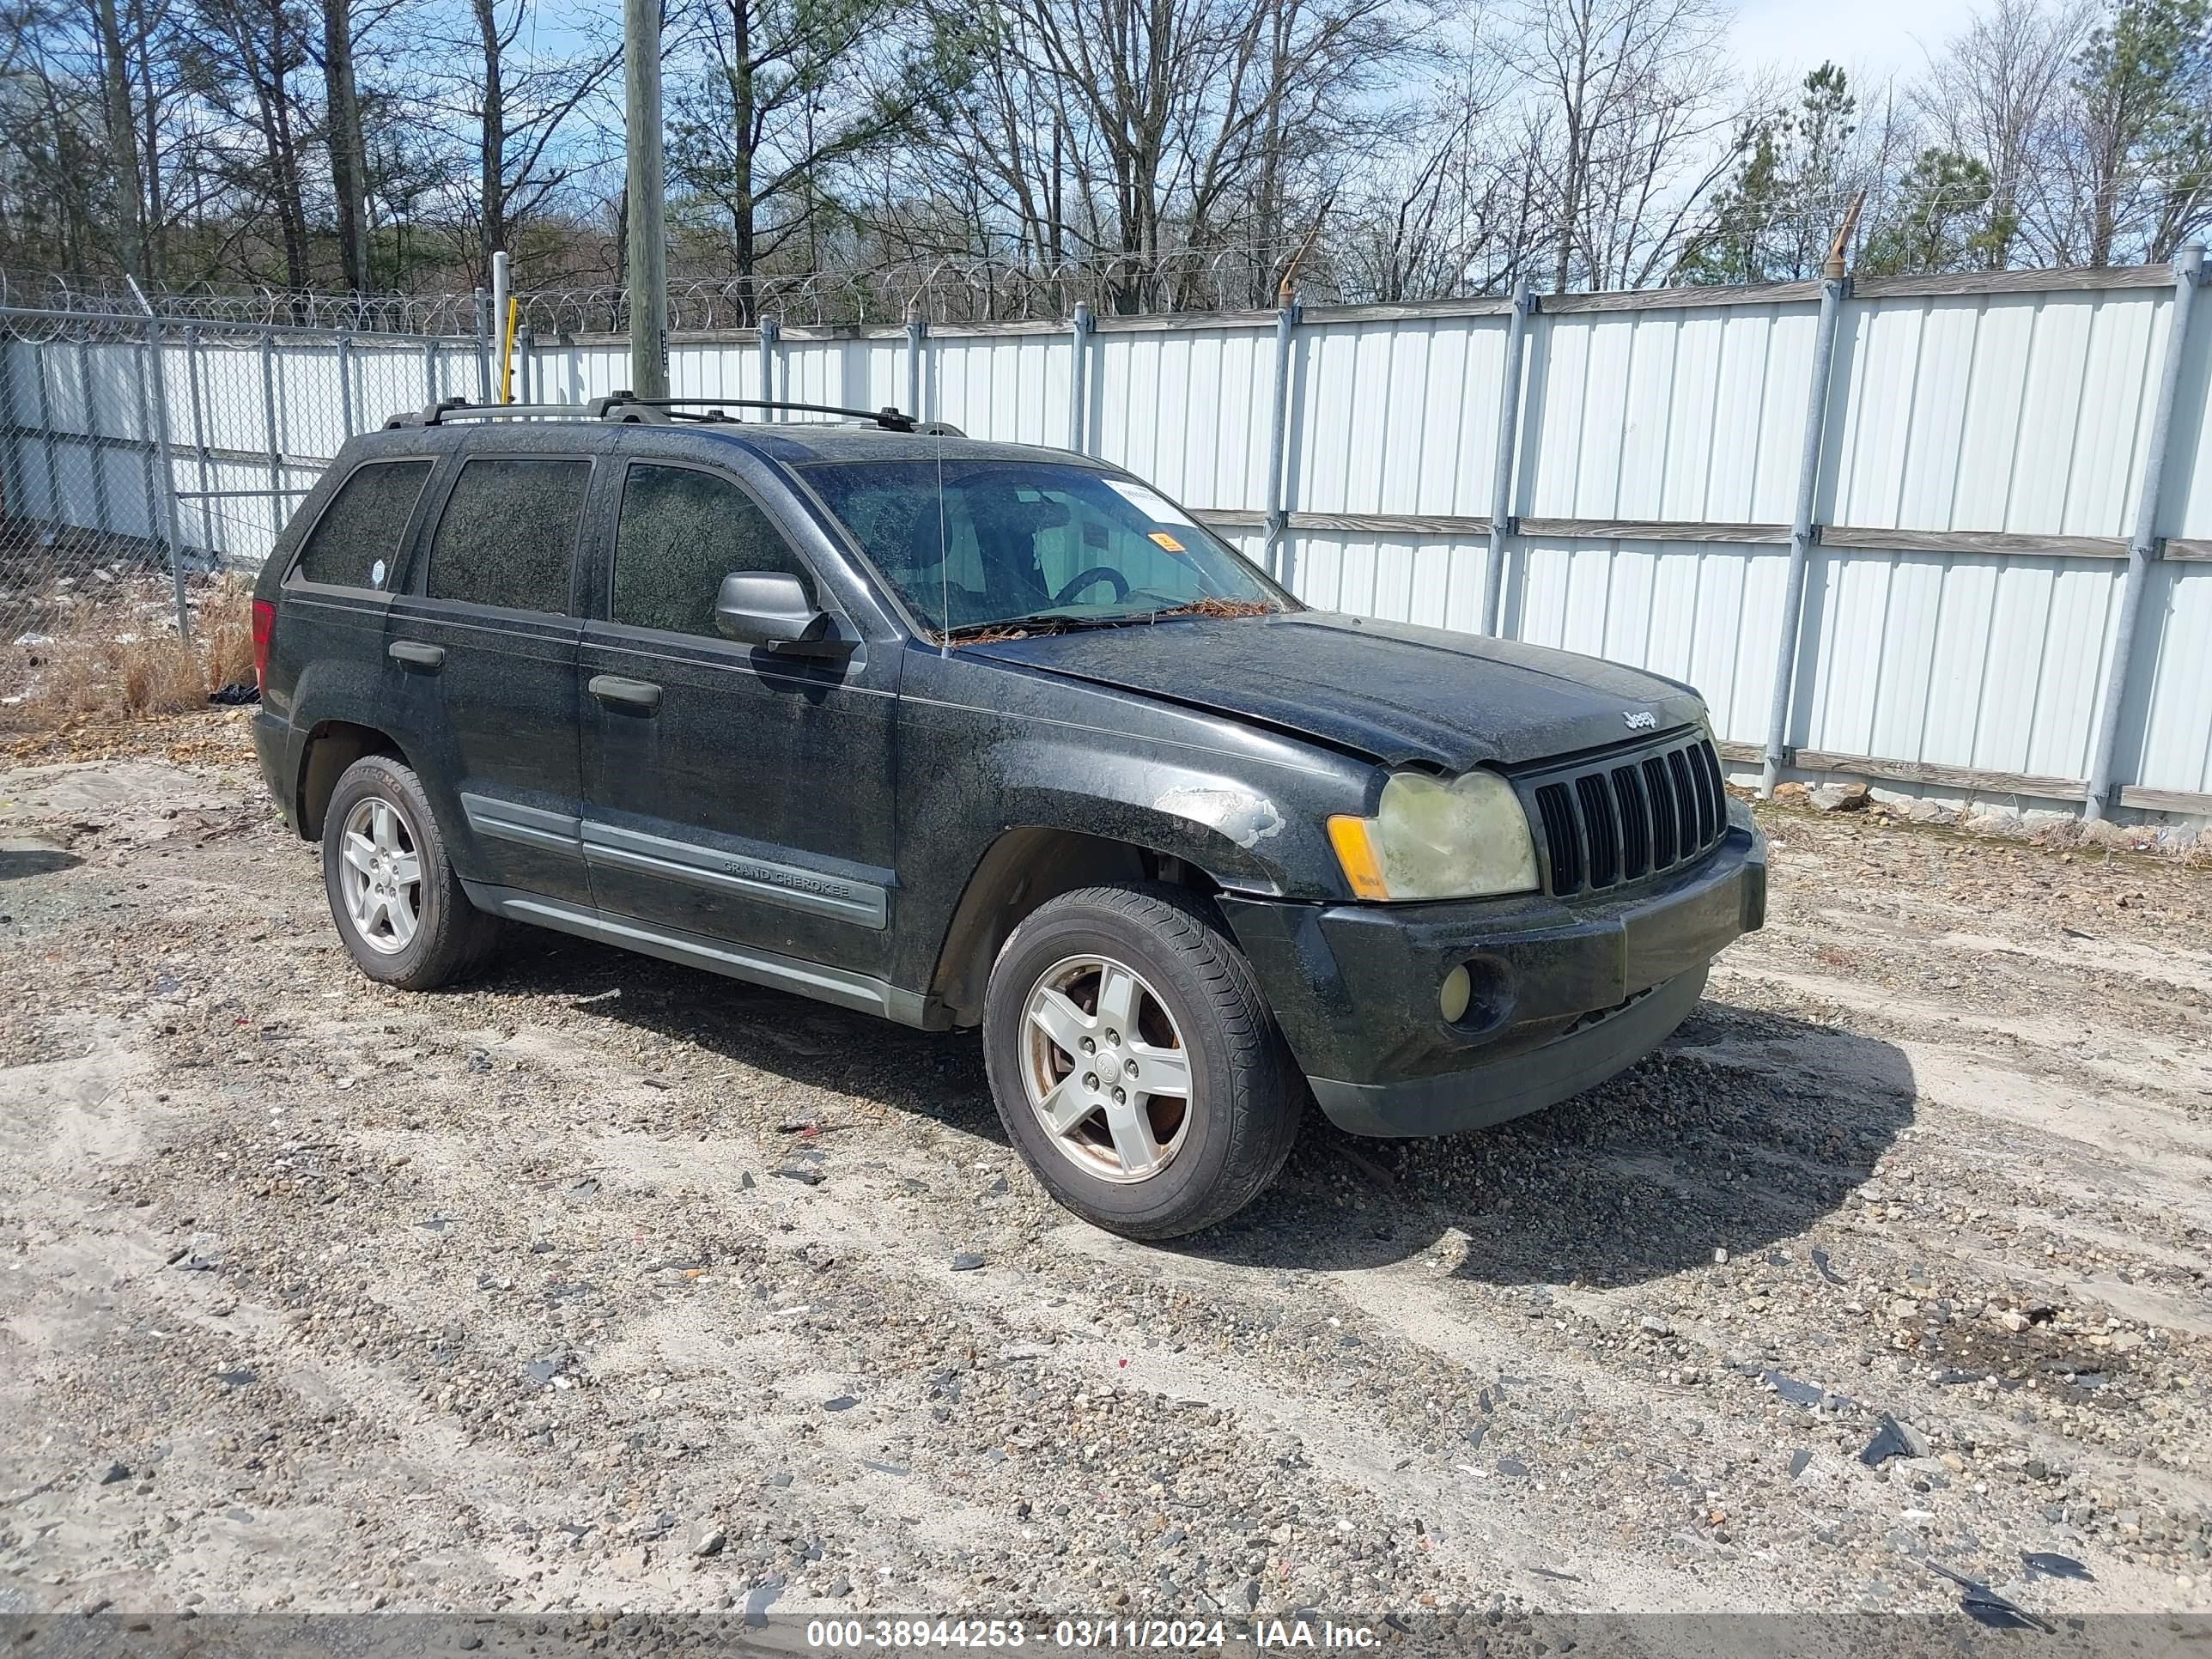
1640 720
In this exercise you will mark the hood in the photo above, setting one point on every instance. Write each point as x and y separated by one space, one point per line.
1389 691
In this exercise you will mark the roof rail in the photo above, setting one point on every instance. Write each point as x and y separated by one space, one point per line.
624 406
455 408
613 407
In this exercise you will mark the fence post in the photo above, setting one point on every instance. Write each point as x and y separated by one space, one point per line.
199 438
345 383
1508 450
168 494
100 516
11 462
1078 363
1832 289
430 368
483 347
2143 544
1274 557
269 430
46 434
916 332
771 340
146 445
525 362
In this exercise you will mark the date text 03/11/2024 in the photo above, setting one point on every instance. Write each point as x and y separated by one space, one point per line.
1151 1635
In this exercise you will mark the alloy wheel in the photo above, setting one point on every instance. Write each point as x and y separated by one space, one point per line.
1105 1068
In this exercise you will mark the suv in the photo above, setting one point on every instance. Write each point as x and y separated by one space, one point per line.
973 734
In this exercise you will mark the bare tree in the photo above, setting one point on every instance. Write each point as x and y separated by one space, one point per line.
1632 92
1995 93
521 107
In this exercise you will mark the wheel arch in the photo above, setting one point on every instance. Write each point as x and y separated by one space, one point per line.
1022 869
330 747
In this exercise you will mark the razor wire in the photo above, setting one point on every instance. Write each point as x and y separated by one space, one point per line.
952 289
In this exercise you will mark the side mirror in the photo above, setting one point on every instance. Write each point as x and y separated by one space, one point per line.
771 609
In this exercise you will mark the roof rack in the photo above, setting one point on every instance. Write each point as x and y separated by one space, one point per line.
627 407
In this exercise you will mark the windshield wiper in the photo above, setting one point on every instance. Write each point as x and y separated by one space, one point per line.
1040 621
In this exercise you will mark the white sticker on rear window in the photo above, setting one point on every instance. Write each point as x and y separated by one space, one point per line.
1150 502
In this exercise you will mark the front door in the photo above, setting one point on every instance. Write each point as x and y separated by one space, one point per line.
731 794
484 646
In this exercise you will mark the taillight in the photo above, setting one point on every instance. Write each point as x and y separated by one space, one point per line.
265 628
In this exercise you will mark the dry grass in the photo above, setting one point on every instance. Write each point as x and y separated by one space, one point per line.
93 673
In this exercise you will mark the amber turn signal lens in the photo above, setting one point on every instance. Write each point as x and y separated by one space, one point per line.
1356 854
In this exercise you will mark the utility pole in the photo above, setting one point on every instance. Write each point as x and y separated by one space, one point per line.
648 246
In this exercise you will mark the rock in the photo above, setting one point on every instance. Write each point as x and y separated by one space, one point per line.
2012 1320
1792 790
1928 812
1839 798
1892 1439
633 1562
843 1402
1653 1326
707 1539
116 1475
1952 1461
966 1261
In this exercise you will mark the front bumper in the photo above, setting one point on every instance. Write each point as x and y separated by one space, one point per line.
1563 994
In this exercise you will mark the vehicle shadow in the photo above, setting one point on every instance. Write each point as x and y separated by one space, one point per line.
19 862
1744 1131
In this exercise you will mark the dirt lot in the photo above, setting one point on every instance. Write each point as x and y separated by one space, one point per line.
603 1284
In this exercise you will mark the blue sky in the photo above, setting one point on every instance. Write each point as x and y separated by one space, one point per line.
1878 38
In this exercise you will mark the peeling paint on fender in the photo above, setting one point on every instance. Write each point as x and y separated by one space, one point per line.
1246 819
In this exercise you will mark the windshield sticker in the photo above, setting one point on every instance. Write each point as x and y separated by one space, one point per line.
1150 502
1161 538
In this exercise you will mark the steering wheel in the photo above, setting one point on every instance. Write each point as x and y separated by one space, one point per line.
1096 572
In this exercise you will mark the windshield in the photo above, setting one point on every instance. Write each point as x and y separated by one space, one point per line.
1033 543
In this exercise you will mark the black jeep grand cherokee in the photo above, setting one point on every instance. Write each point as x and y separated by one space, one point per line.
965 734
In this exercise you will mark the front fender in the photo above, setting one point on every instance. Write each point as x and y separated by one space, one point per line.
1249 808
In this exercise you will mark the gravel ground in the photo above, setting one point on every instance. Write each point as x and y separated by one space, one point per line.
602 1284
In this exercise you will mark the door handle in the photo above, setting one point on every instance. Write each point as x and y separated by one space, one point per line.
618 692
413 653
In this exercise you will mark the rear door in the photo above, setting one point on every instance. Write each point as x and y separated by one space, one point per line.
732 793
485 642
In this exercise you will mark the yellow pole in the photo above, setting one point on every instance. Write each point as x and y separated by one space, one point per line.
506 351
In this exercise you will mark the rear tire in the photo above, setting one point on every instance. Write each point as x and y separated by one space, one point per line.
397 904
1135 1064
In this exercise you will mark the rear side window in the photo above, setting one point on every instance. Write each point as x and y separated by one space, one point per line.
681 531
355 543
508 534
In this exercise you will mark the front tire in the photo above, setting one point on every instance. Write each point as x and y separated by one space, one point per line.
1135 1064
399 905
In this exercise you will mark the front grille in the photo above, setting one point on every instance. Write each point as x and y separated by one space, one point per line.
1624 820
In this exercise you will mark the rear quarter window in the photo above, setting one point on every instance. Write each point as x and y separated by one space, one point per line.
507 537
356 542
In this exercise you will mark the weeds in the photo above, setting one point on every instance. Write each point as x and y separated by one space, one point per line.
102 669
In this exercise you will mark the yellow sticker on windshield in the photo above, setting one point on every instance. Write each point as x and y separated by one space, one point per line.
1162 538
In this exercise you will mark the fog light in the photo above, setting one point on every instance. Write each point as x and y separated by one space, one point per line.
1451 1001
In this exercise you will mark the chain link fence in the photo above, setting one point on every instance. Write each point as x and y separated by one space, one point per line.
146 467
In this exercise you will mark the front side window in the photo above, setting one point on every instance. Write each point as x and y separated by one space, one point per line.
681 531
356 542
507 537
1007 543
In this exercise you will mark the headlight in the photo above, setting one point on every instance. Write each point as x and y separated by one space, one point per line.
1431 838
